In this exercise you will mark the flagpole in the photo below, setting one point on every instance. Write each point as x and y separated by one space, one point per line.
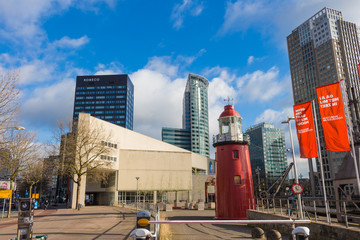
320 160
351 136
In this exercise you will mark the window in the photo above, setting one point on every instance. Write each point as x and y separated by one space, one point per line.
237 179
236 154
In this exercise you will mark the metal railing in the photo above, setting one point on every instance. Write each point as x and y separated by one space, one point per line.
341 211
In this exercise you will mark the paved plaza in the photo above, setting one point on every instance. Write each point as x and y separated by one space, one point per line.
103 222
202 231
94 222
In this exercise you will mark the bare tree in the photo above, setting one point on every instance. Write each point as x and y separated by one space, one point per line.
17 150
33 172
9 96
83 152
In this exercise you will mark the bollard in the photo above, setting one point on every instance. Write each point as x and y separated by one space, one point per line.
140 233
142 219
257 233
273 235
301 233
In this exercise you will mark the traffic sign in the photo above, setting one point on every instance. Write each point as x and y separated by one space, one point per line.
35 195
4 186
5 193
297 188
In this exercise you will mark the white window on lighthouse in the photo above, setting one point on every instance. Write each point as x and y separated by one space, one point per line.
224 126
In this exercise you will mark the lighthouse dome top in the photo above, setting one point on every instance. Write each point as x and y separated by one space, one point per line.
229 111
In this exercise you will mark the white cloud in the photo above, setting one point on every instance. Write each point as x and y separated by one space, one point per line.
260 86
36 71
162 65
45 105
108 69
186 7
278 18
275 116
23 18
171 66
250 60
158 101
66 42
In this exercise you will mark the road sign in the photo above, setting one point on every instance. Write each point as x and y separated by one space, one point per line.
297 188
4 186
5 193
35 195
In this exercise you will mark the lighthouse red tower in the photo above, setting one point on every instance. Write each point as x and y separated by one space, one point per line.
234 186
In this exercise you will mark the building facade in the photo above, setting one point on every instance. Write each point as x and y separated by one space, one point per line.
194 119
267 151
323 50
138 162
107 97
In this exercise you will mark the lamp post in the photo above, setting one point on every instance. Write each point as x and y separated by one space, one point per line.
294 161
137 192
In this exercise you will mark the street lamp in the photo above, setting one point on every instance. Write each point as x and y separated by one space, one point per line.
137 192
294 161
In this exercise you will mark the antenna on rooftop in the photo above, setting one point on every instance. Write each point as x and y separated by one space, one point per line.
229 100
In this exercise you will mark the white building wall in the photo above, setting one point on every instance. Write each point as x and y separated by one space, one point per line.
160 166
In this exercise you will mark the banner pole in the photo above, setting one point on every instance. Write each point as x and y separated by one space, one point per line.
320 160
351 136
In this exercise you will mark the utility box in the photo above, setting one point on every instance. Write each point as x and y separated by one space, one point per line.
143 215
25 218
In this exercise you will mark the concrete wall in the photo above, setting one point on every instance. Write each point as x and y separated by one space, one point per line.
158 170
319 231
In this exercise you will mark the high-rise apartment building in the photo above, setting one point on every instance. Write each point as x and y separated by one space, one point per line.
267 151
323 50
108 97
195 123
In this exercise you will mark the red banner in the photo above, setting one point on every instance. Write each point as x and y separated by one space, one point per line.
333 117
305 130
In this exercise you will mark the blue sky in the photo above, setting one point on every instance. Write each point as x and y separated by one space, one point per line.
239 46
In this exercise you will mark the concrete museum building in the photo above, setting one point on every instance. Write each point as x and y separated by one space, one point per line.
158 170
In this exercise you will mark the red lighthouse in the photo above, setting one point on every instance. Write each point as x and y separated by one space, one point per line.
234 186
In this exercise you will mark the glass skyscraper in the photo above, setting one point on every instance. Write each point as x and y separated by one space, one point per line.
108 97
195 123
267 150
323 50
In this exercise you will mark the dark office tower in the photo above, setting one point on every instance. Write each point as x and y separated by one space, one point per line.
108 97
323 50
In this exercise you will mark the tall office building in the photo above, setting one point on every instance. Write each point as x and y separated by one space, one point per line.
177 136
267 151
195 123
323 50
108 97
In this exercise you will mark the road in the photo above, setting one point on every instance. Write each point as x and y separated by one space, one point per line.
97 222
